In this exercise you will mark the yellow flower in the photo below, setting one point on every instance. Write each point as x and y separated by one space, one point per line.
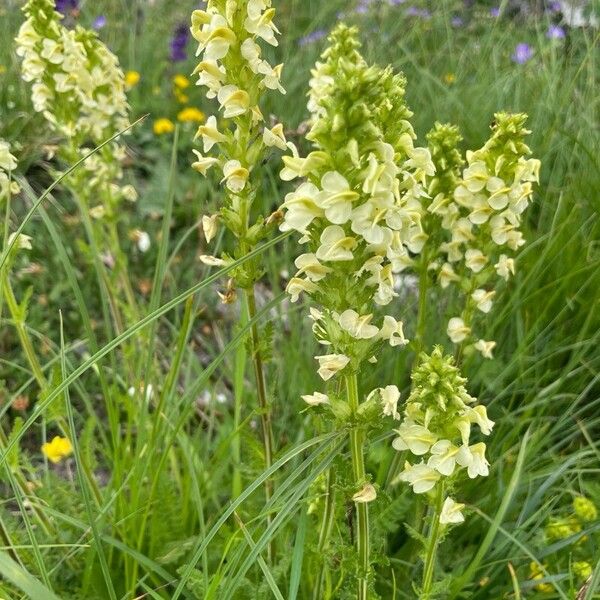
536 573
163 125
191 115
2 69
181 81
582 569
57 449
585 509
132 78
449 78
181 97
561 528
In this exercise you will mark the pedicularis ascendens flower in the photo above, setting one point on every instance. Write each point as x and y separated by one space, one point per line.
358 209
78 86
77 82
8 163
8 188
436 429
234 72
472 215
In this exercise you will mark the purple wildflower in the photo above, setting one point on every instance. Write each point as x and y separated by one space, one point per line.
522 53
64 6
179 42
555 32
495 12
555 7
312 37
99 23
457 21
422 13
396 2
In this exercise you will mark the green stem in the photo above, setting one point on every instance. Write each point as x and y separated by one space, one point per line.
357 444
261 392
238 386
434 537
19 323
121 270
422 314
419 346
325 531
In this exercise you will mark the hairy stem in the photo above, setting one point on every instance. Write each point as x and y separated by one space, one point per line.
433 540
419 346
261 392
357 444
422 314
325 531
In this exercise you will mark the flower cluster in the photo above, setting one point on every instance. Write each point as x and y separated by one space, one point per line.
476 213
77 82
358 207
566 532
234 72
583 511
8 163
79 88
358 210
9 187
436 428
351 338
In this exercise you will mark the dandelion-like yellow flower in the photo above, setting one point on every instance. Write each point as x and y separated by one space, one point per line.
181 81
57 449
191 115
162 126
132 78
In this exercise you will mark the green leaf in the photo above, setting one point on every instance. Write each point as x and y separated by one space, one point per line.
24 580
297 557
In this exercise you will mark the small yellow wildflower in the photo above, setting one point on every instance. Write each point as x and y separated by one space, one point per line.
561 528
181 97
585 509
163 125
449 78
582 569
181 81
536 574
132 78
191 115
2 69
57 449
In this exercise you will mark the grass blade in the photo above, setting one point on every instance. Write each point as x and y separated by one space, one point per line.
24 580
467 576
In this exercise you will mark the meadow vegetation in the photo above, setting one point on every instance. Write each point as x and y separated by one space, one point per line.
299 331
